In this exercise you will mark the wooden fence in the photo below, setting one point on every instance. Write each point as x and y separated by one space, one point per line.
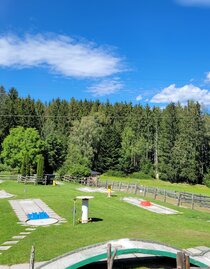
178 198
31 179
10 177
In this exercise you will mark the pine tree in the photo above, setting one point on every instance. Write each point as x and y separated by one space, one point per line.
169 130
23 167
40 166
156 136
189 152
27 164
109 150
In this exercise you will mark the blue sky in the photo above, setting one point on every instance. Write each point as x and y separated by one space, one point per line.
140 51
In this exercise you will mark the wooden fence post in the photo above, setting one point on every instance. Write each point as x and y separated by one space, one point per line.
128 187
32 258
135 191
120 185
164 200
179 199
110 257
187 261
145 191
155 193
192 202
180 260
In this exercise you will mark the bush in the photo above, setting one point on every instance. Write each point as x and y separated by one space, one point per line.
76 170
114 173
206 180
140 175
79 170
147 168
7 170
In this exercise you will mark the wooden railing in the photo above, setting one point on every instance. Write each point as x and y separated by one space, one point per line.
10 177
175 197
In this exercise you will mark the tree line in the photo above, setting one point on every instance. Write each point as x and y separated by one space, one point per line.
75 137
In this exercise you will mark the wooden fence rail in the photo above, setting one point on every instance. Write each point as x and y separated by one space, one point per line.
180 198
10 177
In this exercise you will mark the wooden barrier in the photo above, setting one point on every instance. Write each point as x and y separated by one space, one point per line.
179 198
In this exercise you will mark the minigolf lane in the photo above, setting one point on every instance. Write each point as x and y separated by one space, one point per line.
4 194
35 212
150 206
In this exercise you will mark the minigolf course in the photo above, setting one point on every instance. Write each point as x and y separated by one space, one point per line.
34 212
94 253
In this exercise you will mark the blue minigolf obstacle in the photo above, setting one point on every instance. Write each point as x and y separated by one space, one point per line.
37 215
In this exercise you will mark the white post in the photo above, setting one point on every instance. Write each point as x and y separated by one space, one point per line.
85 200
84 210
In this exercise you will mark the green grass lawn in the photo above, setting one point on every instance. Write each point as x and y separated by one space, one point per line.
182 187
119 220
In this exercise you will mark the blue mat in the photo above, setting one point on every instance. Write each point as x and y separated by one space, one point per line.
37 215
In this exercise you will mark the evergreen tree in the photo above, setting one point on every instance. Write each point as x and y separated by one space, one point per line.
169 130
109 150
40 166
4 119
188 153
27 164
156 136
23 167
174 140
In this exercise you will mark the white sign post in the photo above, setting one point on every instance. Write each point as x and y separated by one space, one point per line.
85 200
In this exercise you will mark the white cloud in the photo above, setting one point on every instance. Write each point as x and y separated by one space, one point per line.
106 87
207 79
61 54
198 3
138 98
182 95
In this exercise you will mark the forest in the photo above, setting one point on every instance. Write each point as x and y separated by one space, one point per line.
77 136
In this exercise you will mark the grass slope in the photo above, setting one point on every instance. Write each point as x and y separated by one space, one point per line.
120 220
182 187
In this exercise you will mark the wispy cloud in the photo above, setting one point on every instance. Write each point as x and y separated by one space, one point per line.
207 79
182 95
196 3
138 98
61 54
106 87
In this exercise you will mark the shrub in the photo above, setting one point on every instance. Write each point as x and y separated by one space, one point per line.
76 170
140 175
79 170
7 170
115 173
206 180
147 168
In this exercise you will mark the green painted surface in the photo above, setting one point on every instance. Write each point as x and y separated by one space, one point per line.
130 251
